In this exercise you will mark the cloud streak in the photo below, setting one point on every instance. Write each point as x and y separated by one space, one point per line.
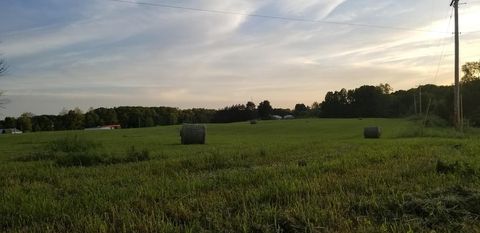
105 53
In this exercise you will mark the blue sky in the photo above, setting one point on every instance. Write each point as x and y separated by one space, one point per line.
101 53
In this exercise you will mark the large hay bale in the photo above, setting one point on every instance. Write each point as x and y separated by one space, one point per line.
372 132
193 134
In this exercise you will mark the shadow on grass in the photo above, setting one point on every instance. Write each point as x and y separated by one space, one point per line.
449 208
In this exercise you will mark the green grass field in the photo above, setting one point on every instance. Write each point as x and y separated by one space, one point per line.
313 175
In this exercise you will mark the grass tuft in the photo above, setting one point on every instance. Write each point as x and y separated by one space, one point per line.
458 167
73 144
76 151
134 155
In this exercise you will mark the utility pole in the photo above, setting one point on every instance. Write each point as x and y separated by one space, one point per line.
456 102
415 102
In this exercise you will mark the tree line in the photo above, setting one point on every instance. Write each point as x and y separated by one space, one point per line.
362 102
137 117
426 100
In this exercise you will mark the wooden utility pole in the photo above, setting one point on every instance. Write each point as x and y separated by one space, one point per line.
456 102
415 102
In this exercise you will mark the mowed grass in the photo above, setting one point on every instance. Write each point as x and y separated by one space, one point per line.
313 175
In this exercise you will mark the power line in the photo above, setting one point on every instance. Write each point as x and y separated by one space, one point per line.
472 32
443 44
465 58
272 17
443 48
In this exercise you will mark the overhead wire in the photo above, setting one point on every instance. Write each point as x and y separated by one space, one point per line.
476 31
225 12
440 59
442 42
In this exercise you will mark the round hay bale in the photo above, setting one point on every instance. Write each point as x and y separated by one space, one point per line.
193 134
372 132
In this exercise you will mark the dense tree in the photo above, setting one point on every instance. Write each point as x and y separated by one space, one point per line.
106 116
196 115
371 101
250 106
235 113
74 119
301 110
148 115
10 123
165 116
367 101
252 111
92 119
315 109
24 122
43 123
172 118
130 117
471 98
385 88
471 71
336 104
265 109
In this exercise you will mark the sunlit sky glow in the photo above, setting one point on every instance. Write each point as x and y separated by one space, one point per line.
100 53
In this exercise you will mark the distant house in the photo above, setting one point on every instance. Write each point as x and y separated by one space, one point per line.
105 127
10 131
289 117
111 127
276 117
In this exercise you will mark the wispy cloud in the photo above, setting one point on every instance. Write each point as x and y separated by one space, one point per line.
106 53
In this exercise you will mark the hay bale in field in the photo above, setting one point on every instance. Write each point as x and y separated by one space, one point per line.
372 132
193 134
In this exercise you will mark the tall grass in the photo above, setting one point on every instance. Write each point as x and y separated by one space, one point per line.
295 176
77 151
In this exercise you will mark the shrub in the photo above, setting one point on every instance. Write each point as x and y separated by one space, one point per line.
72 144
436 121
79 159
430 121
75 151
459 167
474 118
132 155
450 207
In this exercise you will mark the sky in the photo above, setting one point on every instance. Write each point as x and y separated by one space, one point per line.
104 53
